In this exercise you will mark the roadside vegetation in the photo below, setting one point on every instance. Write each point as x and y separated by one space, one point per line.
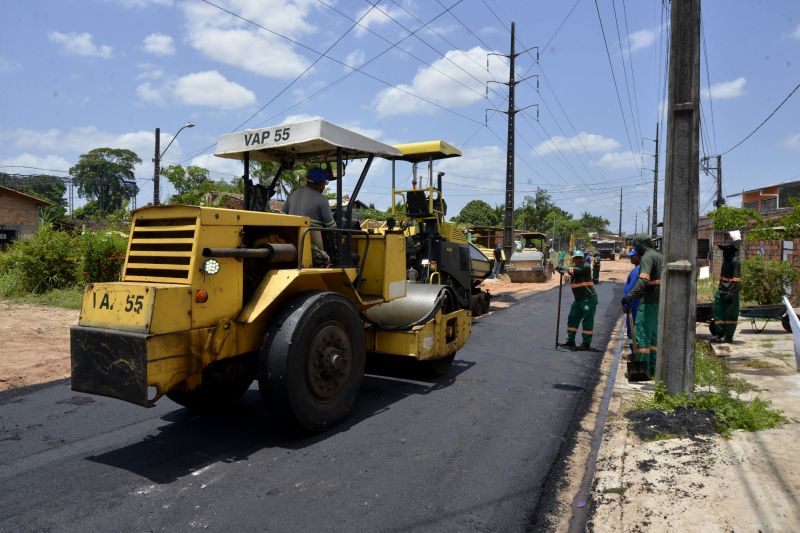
717 393
52 267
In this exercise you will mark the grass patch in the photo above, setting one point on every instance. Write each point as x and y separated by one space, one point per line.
710 371
706 289
66 298
730 411
614 490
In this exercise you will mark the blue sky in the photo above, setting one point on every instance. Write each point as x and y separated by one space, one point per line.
80 74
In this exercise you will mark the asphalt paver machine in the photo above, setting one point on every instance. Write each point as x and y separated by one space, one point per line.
211 299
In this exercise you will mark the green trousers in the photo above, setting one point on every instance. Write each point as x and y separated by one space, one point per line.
647 334
581 311
726 314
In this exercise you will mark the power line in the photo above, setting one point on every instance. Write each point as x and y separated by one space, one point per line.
764 121
616 87
564 21
708 80
630 60
634 118
344 64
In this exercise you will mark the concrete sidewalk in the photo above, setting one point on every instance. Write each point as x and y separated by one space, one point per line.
750 482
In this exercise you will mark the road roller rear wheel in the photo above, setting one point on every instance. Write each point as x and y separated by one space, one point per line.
311 364
440 367
223 383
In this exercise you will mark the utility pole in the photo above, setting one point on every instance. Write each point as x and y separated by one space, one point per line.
157 169
720 201
676 325
508 219
648 216
654 223
620 212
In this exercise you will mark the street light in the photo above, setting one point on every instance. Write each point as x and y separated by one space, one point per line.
157 160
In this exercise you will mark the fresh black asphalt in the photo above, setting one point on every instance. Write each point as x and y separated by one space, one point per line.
471 451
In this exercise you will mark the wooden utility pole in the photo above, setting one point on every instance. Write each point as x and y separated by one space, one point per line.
157 169
676 325
720 201
620 213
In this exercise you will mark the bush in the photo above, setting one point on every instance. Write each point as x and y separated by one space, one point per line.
102 256
763 280
41 263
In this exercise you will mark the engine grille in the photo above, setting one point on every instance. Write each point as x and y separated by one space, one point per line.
161 250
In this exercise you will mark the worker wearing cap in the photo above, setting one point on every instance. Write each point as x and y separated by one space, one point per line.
583 308
648 288
726 300
309 202
633 307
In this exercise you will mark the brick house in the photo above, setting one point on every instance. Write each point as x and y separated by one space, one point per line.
19 215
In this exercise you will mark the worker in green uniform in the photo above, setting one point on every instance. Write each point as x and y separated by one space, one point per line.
596 268
726 300
583 308
647 288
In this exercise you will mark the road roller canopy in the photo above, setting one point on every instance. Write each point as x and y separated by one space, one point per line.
301 142
426 151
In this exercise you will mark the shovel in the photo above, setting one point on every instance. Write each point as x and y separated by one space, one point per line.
558 315
635 370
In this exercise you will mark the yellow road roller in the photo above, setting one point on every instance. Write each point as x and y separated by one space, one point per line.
211 299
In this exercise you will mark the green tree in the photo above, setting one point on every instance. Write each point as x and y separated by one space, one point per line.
763 280
533 213
290 179
48 188
106 175
729 218
192 184
593 224
477 213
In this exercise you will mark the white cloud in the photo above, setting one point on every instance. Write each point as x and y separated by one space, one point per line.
354 126
147 93
8 65
434 84
796 33
727 89
793 142
377 16
51 162
618 160
84 138
592 141
211 89
229 40
354 59
79 44
230 168
641 39
151 74
158 44
487 163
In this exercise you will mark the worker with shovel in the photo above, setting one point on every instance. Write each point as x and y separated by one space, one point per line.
648 288
630 310
582 311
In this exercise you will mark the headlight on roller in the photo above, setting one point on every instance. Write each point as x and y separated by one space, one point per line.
211 266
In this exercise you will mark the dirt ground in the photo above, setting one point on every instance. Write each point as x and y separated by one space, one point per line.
35 346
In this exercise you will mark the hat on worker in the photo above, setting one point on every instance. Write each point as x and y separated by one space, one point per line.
318 175
631 253
578 253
